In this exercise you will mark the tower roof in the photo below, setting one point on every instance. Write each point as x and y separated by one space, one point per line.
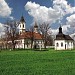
22 19
61 36
60 29
35 26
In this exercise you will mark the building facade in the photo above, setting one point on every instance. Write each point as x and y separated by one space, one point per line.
29 39
62 41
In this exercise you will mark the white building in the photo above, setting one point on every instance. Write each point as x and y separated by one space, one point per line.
27 37
22 25
62 41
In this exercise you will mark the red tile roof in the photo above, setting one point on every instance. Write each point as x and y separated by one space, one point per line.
29 35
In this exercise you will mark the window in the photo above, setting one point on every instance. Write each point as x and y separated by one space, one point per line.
20 26
57 44
41 42
21 41
23 25
38 41
61 44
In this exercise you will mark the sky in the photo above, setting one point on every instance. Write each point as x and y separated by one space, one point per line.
54 12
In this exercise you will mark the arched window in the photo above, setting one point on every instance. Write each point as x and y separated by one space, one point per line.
57 44
23 25
61 44
20 26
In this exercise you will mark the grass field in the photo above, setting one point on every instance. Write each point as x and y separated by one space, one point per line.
37 62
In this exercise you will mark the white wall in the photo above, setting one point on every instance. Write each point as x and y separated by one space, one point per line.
20 44
69 44
40 43
59 44
66 44
21 28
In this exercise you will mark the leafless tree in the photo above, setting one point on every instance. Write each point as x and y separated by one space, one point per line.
11 32
6 35
43 28
31 35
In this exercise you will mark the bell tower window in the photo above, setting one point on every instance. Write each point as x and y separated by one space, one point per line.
20 26
23 25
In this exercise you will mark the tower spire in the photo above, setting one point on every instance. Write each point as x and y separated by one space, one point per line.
60 29
22 18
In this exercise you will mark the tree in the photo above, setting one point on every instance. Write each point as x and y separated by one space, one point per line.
6 35
49 40
11 32
43 28
31 36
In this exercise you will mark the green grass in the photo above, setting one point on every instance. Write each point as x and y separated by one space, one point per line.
37 62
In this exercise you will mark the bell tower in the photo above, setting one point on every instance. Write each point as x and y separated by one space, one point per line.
22 25
36 28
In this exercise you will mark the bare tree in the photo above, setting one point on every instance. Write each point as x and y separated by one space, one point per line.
11 31
6 30
49 40
31 36
43 28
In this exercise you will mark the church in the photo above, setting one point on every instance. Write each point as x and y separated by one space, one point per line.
62 41
29 39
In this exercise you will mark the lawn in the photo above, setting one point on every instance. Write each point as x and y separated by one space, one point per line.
37 62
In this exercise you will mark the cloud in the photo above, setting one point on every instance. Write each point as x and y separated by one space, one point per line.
1 29
63 6
5 10
54 31
41 13
49 15
71 20
11 17
64 30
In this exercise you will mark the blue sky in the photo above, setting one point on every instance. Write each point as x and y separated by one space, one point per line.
18 8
